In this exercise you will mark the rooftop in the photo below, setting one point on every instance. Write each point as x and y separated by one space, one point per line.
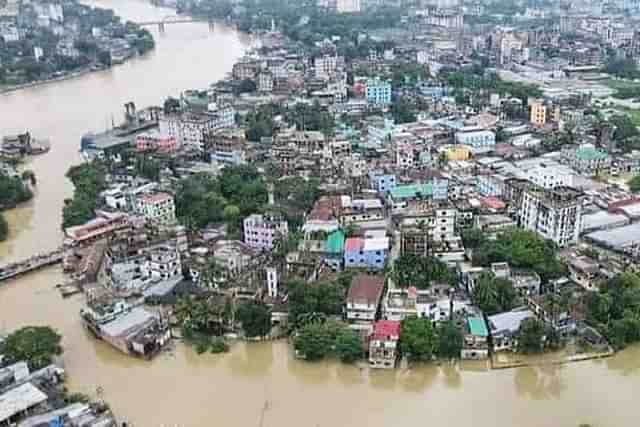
477 326
19 399
509 321
411 191
366 287
335 242
386 328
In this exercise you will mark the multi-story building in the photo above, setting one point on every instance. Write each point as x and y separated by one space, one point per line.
348 6
157 208
383 344
261 231
226 145
378 91
379 131
265 82
480 141
475 345
326 66
417 197
555 213
588 160
149 141
363 301
189 129
366 253
550 176
381 181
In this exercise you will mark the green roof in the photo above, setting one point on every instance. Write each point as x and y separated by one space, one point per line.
335 242
411 191
590 153
477 326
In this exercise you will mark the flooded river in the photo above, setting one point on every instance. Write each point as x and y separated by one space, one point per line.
255 384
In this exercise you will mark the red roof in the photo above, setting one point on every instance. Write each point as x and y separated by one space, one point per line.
354 244
386 328
366 287
493 202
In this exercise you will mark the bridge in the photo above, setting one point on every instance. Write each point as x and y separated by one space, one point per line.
173 19
33 263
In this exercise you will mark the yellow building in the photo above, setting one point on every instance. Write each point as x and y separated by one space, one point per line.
458 152
537 113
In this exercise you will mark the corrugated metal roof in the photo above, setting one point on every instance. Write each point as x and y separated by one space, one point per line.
19 399
410 191
335 242
477 326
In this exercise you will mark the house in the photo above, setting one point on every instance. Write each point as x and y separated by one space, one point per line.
334 249
382 182
480 141
504 328
157 208
383 344
262 231
554 213
475 345
585 272
588 160
378 91
150 141
366 253
363 301
558 318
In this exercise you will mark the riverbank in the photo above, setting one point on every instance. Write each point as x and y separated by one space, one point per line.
36 83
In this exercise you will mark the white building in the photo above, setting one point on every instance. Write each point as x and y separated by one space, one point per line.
480 141
556 213
325 66
157 208
348 6
550 176
190 129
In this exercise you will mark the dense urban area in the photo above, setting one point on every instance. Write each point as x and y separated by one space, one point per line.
386 182
53 40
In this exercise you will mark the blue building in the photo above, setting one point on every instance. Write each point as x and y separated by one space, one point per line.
378 92
480 141
368 253
382 182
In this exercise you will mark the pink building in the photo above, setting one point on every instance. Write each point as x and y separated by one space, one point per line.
383 345
261 231
155 142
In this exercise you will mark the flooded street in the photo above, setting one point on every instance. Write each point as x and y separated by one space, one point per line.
254 384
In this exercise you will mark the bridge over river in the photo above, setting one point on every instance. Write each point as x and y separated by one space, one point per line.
173 19
33 263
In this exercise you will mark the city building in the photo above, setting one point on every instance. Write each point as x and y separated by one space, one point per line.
366 253
152 141
348 6
504 328
363 302
157 208
261 231
476 344
588 160
556 213
480 141
378 91
383 344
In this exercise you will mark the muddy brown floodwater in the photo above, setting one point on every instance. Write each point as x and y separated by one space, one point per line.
255 384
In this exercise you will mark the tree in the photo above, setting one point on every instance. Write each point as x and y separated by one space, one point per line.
255 318
522 249
348 346
473 238
421 272
450 340
4 228
531 336
312 341
493 295
171 105
634 184
418 340
320 297
37 345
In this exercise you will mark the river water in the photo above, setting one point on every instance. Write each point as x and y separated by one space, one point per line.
254 384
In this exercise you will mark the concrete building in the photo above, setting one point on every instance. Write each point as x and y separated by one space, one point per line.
153 141
480 141
588 160
383 345
555 213
381 181
378 92
504 328
261 231
157 208
366 253
348 6
363 301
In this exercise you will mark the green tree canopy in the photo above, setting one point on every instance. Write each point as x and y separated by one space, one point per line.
450 340
321 297
348 346
493 295
89 180
634 184
531 336
522 249
36 345
312 341
255 318
4 228
421 272
418 340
